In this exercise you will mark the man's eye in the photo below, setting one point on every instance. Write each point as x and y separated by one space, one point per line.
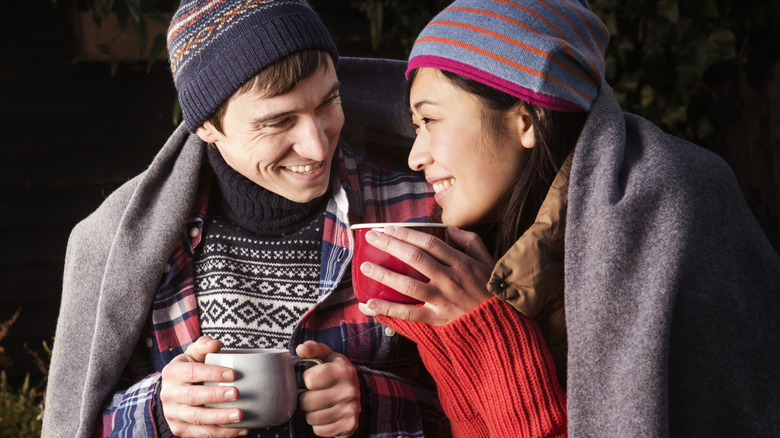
278 123
330 101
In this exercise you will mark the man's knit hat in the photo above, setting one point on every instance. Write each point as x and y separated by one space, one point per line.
215 46
547 52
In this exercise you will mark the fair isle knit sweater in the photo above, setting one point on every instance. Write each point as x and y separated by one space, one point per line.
257 271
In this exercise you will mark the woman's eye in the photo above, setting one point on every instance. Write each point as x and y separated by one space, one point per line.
422 122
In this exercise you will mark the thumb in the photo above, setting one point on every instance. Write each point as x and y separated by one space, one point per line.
313 349
197 351
471 244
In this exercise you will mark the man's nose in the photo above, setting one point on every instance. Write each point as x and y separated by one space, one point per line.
312 141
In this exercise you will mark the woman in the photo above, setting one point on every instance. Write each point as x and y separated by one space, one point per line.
670 286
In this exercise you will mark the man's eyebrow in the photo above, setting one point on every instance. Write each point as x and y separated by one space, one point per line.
260 121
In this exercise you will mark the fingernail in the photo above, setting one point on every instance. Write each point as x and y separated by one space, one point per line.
230 394
390 231
372 305
243 433
227 375
234 417
366 268
372 237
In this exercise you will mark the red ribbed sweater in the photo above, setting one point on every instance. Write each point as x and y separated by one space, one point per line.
494 374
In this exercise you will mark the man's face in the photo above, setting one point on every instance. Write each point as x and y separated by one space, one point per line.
286 143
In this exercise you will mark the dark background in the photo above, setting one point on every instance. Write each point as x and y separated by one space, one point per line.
73 133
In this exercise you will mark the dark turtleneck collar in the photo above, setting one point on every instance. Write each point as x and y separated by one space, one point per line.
257 209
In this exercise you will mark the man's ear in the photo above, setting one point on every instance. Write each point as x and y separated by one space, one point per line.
207 132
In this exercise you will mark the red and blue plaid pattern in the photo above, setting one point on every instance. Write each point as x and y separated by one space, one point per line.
401 395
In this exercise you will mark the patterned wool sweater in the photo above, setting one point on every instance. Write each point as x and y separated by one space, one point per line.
257 271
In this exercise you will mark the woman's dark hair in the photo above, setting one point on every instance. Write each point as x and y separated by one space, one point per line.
556 134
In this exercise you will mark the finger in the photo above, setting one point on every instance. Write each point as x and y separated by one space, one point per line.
199 395
344 428
424 252
335 421
406 312
195 431
398 241
187 416
195 372
363 307
338 373
471 244
399 282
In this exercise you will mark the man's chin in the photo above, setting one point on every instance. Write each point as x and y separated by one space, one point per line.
306 196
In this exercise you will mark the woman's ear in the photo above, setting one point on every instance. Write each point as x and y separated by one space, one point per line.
524 127
207 132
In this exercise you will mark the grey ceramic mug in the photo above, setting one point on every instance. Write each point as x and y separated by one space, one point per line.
266 382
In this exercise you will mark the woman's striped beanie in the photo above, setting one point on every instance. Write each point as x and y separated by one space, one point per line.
215 46
547 52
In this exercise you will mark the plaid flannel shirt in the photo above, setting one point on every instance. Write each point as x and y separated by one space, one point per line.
398 392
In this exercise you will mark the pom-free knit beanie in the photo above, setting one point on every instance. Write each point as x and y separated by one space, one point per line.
547 52
215 46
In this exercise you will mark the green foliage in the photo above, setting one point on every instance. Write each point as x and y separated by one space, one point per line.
21 409
394 24
662 52
133 13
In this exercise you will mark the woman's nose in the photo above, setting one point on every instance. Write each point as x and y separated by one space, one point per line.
420 156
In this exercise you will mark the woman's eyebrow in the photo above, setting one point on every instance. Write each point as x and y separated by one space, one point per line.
420 103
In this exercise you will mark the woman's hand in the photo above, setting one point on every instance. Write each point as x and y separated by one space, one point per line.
457 279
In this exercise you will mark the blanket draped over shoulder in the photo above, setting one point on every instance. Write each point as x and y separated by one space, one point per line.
672 289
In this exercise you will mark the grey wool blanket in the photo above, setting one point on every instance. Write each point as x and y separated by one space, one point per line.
672 289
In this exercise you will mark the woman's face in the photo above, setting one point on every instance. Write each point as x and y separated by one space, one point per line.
470 168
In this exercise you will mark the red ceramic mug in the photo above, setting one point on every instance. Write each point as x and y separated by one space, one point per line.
367 288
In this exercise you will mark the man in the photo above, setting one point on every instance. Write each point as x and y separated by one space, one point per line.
237 236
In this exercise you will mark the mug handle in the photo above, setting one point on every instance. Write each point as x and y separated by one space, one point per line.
307 359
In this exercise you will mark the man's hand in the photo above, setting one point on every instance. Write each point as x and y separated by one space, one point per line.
183 399
332 402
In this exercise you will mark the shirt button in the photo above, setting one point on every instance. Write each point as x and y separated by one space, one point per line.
149 342
194 232
389 332
167 268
